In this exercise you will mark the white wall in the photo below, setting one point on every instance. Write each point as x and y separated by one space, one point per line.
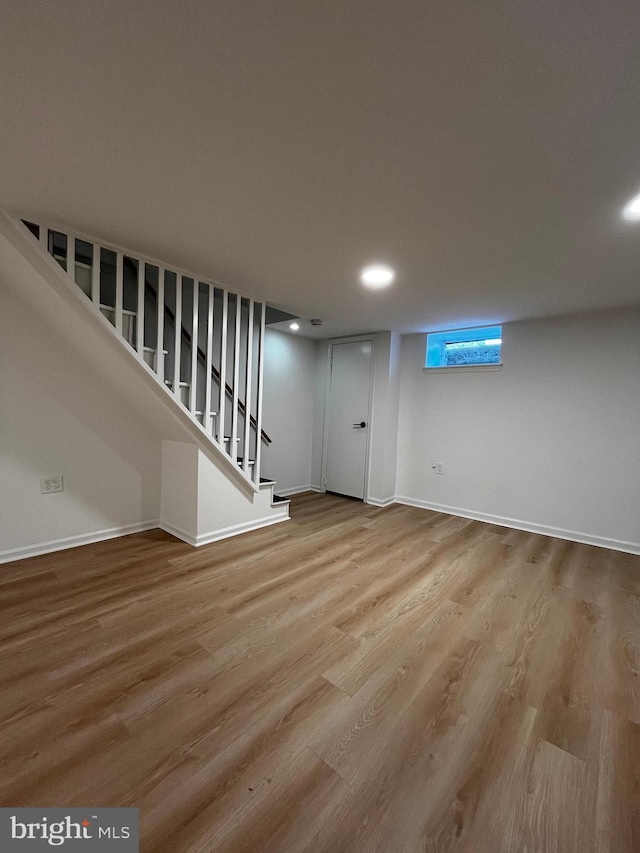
384 418
200 504
320 396
224 510
551 441
288 409
59 418
179 494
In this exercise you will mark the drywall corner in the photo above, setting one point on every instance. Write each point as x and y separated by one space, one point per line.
384 421
179 490
319 406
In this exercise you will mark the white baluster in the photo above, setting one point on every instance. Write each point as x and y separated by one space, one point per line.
178 338
118 306
95 274
233 449
247 390
208 360
223 367
140 315
256 471
71 256
160 326
194 347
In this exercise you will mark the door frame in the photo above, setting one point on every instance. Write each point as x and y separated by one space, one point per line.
353 339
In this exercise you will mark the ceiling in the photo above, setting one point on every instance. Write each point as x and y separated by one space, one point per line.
484 150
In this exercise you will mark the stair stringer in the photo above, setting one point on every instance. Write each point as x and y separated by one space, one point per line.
53 295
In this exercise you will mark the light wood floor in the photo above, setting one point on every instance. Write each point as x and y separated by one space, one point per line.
357 680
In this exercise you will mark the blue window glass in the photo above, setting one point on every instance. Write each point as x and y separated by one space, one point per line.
464 347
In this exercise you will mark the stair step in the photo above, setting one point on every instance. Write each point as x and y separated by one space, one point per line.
276 499
266 482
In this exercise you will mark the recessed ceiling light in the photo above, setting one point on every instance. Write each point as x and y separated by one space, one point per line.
631 211
294 327
377 275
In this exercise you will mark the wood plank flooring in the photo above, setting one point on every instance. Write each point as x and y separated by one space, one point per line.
357 679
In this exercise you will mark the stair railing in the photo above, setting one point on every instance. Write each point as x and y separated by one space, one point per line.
205 358
222 348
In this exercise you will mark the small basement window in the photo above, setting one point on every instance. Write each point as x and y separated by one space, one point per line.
465 347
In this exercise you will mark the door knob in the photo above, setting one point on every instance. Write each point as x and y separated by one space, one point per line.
361 425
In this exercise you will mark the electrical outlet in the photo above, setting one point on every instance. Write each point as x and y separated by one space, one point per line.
439 468
49 485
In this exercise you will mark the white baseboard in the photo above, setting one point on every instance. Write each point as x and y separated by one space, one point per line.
224 532
75 541
377 502
518 524
296 490
245 527
178 533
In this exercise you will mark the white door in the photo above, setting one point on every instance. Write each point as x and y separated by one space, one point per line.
348 418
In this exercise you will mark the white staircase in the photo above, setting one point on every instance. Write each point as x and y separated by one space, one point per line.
203 344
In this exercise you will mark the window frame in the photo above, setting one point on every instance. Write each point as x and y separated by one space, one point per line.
435 343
